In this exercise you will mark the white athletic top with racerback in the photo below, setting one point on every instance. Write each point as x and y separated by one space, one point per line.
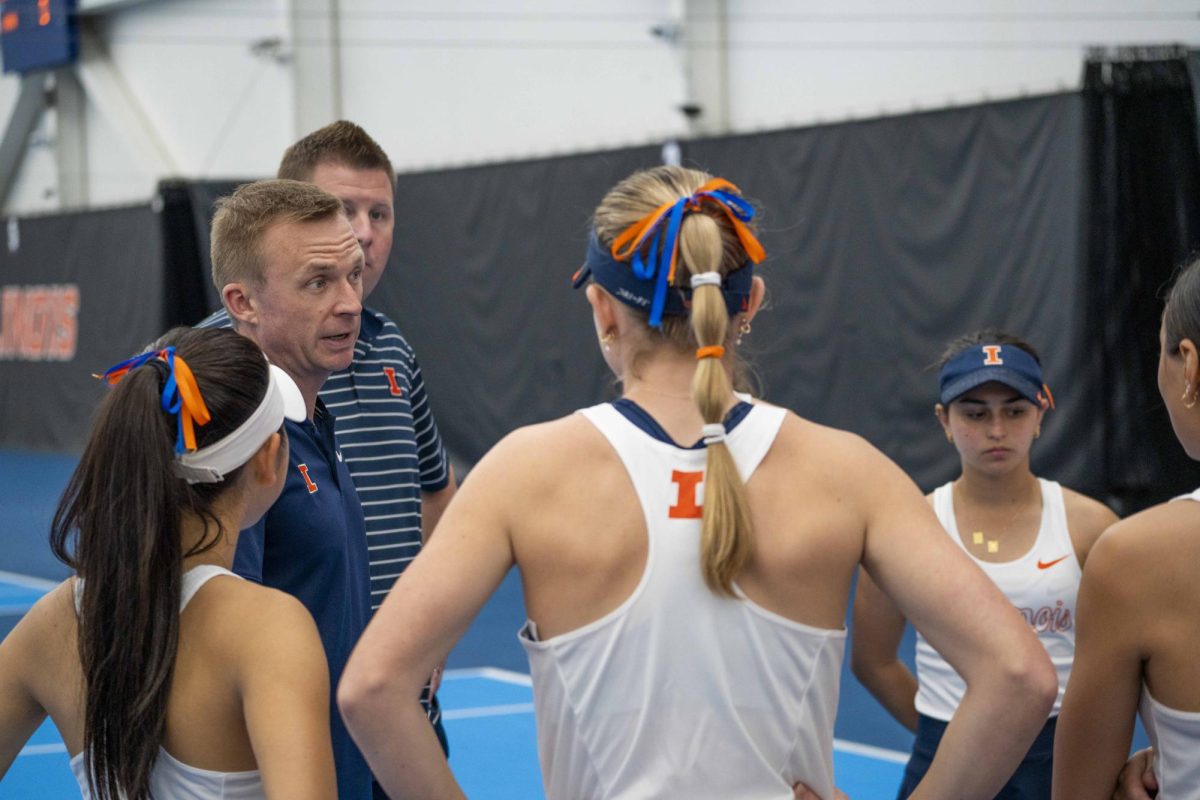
679 692
171 778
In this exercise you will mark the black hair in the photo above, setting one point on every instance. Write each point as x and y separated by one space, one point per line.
1181 315
984 336
118 525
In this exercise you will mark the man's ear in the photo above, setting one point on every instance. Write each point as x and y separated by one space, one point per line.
239 302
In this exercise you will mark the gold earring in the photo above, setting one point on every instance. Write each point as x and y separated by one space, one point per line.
949 437
743 329
1192 404
607 340
1038 433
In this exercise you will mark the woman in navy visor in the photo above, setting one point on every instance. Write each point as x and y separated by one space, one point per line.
1029 535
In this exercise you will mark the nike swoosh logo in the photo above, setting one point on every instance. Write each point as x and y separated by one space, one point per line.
1049 564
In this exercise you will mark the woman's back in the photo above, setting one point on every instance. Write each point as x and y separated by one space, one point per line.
679 682
808 532
228 626
1149 573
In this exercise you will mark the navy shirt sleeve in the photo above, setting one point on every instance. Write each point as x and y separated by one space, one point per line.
248 560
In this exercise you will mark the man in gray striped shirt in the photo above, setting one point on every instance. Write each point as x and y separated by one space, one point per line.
385 428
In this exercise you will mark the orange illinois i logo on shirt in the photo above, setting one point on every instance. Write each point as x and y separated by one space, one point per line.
685 505
312 487
394 387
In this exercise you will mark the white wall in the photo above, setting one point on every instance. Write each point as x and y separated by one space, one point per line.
464 81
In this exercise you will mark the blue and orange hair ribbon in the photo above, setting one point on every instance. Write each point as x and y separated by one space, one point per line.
660 265
180 394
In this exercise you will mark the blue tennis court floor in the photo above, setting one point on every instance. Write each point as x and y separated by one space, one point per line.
489 720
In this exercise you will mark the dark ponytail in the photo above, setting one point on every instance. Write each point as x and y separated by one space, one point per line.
119 526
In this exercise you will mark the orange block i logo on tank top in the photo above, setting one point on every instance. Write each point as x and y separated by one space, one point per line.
312 487
685 505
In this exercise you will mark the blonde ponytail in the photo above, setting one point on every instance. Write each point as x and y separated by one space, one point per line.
707 243
725 536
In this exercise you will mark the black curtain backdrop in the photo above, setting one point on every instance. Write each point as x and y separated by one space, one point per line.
113 259
1143 221
886 239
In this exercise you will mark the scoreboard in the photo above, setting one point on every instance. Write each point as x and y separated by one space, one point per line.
38 34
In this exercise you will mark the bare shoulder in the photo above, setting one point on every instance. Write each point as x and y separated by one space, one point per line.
1086 520
834 446
1152 549
546 451
253 620
47 625
831 455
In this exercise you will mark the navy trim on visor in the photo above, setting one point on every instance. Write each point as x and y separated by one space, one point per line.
618 279
1006 364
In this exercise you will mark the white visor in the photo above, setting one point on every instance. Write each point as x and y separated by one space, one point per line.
211 464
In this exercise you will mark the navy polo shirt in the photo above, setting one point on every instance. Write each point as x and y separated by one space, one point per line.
312 544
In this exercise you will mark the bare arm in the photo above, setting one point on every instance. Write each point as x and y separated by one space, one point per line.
1095 725
875 635
433 505
1011 683
1086 520
425 613
284 681
20 712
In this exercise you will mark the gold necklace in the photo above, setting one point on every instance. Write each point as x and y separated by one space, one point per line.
980 539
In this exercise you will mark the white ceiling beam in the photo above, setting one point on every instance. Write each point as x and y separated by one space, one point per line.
120 107
31 102
706 66
316 64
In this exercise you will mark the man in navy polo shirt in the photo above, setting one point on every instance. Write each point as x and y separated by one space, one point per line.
385 425
289 269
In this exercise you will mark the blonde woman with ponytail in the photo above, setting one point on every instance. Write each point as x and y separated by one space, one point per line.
687 555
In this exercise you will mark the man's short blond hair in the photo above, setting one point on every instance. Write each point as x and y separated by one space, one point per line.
243 218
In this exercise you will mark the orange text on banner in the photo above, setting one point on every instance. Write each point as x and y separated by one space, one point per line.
39 323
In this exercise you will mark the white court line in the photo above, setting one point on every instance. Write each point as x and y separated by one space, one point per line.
492 673
488 711
870 751
28 581
521 679
42 749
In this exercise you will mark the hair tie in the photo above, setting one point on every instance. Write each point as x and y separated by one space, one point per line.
714 433
706 279
712 351
180 394
660 229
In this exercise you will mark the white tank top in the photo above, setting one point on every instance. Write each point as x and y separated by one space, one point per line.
171 778
1042 584
679 692
1176 739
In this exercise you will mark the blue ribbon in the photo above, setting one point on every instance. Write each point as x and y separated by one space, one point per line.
170 399
658 266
